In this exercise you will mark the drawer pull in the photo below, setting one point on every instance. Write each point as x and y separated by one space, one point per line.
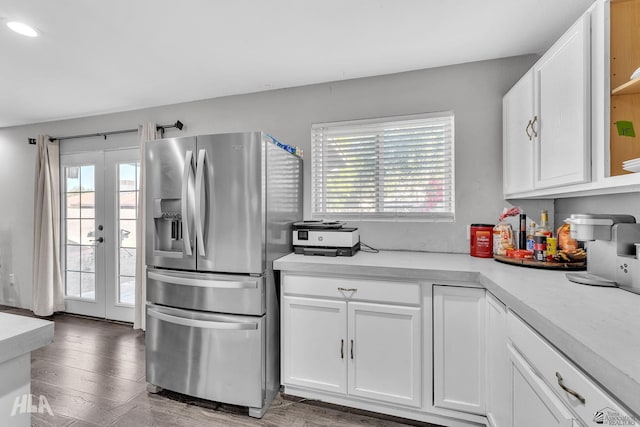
351 349
527 131
568 390
341 349
348 289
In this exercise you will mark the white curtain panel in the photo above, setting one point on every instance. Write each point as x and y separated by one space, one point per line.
147 132
48 286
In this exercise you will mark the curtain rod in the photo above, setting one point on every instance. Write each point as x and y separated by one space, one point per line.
178 124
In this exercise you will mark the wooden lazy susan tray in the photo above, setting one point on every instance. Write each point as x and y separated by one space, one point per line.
523 262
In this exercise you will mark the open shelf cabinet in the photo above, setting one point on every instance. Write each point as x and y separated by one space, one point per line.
625 97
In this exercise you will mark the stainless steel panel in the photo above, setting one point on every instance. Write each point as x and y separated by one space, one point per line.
211 356
170 202
232 203
272 344
224 293
284 199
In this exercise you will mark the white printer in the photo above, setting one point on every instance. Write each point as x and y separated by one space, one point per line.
325 238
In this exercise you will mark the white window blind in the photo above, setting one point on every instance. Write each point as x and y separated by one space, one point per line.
384 168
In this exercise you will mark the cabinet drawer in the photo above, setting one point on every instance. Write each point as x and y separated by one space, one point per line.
551 366
352 289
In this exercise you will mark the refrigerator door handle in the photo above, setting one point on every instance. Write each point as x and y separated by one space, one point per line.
186 239
203 283
200 168
207 324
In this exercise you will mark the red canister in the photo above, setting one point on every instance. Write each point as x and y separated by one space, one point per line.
481 240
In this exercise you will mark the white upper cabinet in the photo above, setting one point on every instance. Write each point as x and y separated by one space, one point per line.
563 109
546 118
517 110
580 89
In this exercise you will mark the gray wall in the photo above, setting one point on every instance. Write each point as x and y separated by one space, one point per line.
472 91
607 204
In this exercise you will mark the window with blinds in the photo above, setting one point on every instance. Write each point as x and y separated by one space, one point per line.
399 167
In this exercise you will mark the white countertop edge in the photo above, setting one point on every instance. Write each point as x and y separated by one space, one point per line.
21 335
606 374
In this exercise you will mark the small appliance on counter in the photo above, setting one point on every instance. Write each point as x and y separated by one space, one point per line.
612 258
325 238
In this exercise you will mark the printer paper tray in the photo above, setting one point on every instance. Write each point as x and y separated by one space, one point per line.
322 251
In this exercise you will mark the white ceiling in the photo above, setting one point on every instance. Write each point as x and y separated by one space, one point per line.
96 57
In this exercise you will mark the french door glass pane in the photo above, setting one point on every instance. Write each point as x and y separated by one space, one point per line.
128 188
88 286
127 262
73 179
87 178
73 257
79 225
73 284
128 204
88 258
127 294
87 231
87 204
73 231
128 176
127 233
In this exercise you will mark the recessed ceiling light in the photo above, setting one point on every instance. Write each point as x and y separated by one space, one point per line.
23 29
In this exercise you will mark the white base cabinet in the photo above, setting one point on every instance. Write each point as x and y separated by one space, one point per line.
544 378
450 354
333 342
498 380
533 403
459 348
384 352
314 343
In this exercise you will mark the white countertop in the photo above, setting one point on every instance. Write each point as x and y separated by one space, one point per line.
597 328
21 334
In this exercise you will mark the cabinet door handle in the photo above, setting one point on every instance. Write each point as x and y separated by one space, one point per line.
526 130
533 129
568 390
351 349
348 289
341 349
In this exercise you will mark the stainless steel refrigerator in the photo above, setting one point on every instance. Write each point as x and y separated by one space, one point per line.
219 210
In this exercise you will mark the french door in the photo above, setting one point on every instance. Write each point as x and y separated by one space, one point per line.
99 211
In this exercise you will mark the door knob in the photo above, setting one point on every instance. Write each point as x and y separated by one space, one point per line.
99 240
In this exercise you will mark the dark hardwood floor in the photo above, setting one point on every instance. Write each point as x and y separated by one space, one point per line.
93 374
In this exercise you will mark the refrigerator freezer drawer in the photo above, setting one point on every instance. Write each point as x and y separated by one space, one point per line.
210 356
223 293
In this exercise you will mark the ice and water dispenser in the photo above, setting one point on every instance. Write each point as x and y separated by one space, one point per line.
168 225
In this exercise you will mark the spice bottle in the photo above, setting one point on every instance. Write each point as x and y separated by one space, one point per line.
543 229
530 234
